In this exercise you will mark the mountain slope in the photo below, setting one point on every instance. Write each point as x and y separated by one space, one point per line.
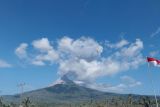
63 91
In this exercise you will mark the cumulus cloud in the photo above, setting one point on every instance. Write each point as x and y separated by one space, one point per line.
21 50
122 60
46 52
88 70
42 44
83 59
84 48
4 64
128 56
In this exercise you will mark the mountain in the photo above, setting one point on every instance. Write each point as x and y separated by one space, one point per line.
63 90
64 93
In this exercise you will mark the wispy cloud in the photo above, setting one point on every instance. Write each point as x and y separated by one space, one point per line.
4 64
154 53
126 82
130 82
119 88
155 33
119 44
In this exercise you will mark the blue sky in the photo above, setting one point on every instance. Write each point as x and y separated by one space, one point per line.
24 21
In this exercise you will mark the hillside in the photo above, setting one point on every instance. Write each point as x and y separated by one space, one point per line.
66 91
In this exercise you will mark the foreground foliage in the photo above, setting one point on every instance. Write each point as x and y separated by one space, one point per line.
143 101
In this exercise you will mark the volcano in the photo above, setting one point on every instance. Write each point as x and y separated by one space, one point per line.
62 91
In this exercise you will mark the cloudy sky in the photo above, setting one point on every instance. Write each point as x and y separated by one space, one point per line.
101 44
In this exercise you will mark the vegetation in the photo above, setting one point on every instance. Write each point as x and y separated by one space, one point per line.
130 101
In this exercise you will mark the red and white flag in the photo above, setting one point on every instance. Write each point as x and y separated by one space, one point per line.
153 61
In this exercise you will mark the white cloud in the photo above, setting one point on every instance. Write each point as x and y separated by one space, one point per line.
42 45
132 50
131 56
82 58
126 83
155 33
87 71
130 81
4 64
21 50
38 62
117 45
85 48
120 88
46 52
122 60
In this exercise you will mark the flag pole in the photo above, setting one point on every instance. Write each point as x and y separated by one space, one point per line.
155 95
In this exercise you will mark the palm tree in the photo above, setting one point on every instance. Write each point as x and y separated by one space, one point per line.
148 100
26 102
144 102
1 103
130 100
